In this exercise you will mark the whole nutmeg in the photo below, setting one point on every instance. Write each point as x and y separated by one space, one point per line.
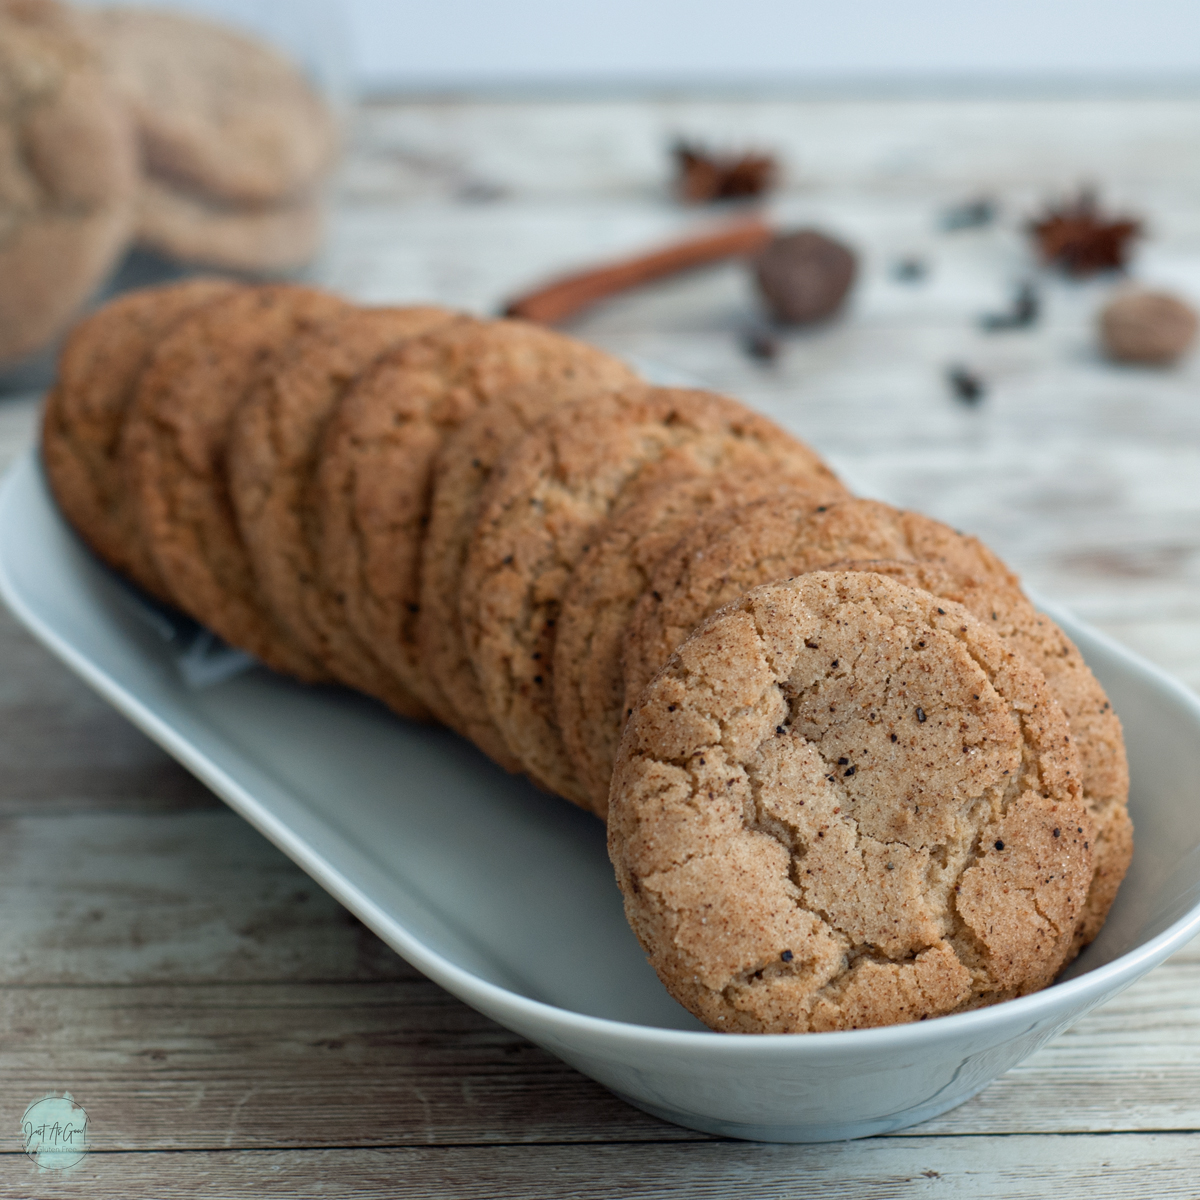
1147 327
804 276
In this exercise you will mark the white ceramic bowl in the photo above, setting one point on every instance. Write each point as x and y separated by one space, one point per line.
505 896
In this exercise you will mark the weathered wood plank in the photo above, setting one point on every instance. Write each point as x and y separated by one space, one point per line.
189 896
1018 1168
296 1065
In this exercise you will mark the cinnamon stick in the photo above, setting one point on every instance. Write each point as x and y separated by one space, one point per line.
562 298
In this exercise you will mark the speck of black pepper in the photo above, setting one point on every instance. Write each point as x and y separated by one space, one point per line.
787 956
891 866
1085 846
942 612
909 270
870 716
1024 311
920 645
779 731
1057 832
999 844
843 762
848 772
820 833
831 778
670 708
760 344
892 736
1078 828
822 508
702 762
965 385
833 664
920 715
811 646
974 696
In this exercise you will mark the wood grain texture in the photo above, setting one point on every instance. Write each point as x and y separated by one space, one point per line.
1021 1168
233 1032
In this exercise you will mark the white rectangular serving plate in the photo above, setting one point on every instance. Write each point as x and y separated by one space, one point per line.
504 895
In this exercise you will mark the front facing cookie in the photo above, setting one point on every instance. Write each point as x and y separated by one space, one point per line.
844 803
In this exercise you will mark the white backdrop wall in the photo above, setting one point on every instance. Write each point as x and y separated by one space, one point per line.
406 45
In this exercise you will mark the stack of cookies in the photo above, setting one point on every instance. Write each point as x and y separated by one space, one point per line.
851 776
121 126
234 143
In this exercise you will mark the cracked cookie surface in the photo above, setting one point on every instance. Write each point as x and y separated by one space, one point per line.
1095 727
740 548
99 368
844 803
173 448
549 497
589 679
372 489
273 449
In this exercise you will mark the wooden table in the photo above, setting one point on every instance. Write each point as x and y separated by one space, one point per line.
232 1032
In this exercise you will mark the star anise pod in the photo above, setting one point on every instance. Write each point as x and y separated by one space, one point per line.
703 176
1081 239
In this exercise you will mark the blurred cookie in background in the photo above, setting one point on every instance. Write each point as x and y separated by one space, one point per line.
254 239
68 174
235 144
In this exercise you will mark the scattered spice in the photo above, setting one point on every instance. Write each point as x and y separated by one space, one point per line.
805 276
999 844
1025 309
1155 328
920 716
787 956
1081 239
703 176
965 384
761 345
910 270
970 214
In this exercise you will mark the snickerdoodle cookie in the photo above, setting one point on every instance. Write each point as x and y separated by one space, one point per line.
272 458
460 476
68 170
268 238
217 112
737 549
547 500
174 446
1095 728
98 373
372 488
844 803
589 681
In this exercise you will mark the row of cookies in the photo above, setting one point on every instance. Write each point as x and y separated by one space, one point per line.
122 126
355 494
505 528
